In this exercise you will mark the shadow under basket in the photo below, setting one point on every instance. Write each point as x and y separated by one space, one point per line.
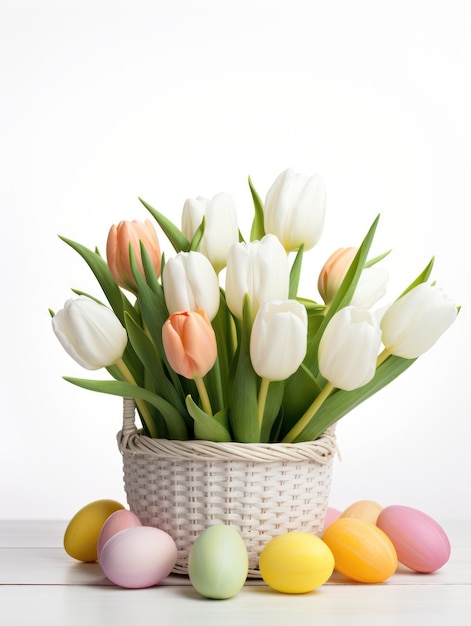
263 490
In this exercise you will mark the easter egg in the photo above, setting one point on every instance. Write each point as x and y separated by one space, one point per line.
367 510
296 562
421 543
330 516
83 530
119 520
138 557
361 551
218 562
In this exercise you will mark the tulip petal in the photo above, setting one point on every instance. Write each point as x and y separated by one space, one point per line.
413 324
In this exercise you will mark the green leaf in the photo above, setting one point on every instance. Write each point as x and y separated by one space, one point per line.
172 232
258 228
244 386
174 421
118 301
213 382
312 308
340 402
149 270
421 278
208 428
377 259
300 391
295 273
226 339
198 236
272 408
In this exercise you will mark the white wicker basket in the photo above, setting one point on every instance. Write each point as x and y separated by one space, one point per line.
183 487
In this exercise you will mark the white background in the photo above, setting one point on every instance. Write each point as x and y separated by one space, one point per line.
105 101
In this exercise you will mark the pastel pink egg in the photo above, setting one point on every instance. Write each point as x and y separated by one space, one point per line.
421 543
117 521
330 516
138 557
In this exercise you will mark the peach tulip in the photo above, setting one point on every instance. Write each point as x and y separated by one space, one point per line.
120 238
371 286
190 343
333 272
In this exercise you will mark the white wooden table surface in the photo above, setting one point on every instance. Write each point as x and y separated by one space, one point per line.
40 584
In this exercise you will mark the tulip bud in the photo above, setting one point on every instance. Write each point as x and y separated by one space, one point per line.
90 333
120 238
221 230
278 340
412 324
370 288
190 343
295 209
190 283
259 269
333 272
349 347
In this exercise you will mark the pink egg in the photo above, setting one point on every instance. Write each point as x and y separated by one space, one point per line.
421 543
330 516
138 557
119 520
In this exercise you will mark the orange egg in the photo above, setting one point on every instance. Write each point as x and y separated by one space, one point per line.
367 510
361 551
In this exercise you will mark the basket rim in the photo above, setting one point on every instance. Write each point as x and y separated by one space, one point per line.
133 441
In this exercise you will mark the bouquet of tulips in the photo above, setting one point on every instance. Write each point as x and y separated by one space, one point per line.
248 360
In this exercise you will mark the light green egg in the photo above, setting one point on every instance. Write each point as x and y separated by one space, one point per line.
218 562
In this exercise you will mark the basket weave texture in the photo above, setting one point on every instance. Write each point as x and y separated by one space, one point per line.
263 490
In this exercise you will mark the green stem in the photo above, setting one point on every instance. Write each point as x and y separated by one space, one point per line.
141 405
309 413
262 399
206 405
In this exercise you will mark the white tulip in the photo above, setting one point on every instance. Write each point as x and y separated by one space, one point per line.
259 269
221 229
370 288
278 340
349 348
412 324
190 283
295 209
90 333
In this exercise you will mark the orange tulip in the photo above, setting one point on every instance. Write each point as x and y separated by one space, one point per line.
127 234
333 272
189 343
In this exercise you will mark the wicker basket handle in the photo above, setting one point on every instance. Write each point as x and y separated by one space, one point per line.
129 426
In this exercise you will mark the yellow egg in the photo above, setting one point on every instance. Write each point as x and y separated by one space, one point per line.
367 510
296 562
83 530
362 551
